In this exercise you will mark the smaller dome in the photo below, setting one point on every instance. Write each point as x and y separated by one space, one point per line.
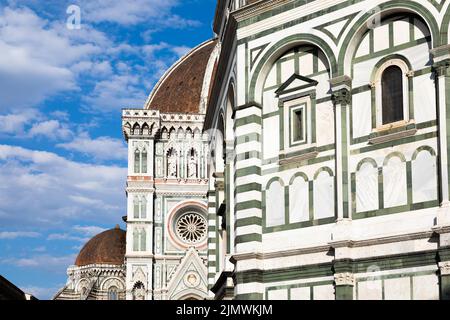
107 247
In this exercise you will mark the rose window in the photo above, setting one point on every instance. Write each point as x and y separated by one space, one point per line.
191 228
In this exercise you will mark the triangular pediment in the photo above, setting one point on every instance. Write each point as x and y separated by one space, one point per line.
294 83
190 278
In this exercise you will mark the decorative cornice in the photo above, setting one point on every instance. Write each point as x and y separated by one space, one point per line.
256 8
331 245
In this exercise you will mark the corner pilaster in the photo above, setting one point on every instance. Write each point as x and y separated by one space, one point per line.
341 87
248 200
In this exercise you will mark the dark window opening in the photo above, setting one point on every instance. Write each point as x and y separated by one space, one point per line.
392 94
298 125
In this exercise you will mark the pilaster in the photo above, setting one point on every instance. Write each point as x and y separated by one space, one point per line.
248 199
341 87
344 279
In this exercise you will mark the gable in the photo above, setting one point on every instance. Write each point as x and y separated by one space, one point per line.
294 83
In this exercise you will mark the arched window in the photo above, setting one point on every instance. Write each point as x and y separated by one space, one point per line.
136 240
146 129
299 200
143 240
137 161
144 161
395 188
139 240
366 179
275 205
112 293
136 207
143 208
136 129
392 94
323 195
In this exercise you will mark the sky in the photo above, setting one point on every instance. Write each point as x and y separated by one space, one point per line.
64 79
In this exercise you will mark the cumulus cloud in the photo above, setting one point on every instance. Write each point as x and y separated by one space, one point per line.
44 190
15 123
52 129
43 58
117 92
99 148
36 58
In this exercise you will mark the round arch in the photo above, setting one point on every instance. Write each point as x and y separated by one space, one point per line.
105 284
323 169
277 50
399 6
392 155
364 161
189 294
428 149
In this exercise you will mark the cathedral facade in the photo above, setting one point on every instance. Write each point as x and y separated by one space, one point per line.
301 154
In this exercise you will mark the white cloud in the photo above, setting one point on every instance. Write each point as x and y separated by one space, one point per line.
89 231
46 262
36 58
180 50
66 237
102 148
117 92
15 123
18 234
83 234
43 58
52 129
131 12
43 187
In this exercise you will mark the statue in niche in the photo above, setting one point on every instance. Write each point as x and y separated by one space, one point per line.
192 165
172 164
138 293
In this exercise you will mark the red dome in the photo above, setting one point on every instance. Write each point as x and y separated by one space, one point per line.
180 89
107 247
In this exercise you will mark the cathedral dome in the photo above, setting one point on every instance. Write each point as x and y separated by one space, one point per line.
183 89
107 247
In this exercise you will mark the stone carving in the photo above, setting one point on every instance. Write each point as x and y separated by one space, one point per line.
191 228
139 292
342 97
172 164
344 279
192 168
444 268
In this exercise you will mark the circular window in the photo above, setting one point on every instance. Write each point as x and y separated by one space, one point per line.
191 228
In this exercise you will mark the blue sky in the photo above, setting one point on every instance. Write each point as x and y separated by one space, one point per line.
62 155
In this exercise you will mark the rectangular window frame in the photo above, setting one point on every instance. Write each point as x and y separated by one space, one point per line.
306 148
292 111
